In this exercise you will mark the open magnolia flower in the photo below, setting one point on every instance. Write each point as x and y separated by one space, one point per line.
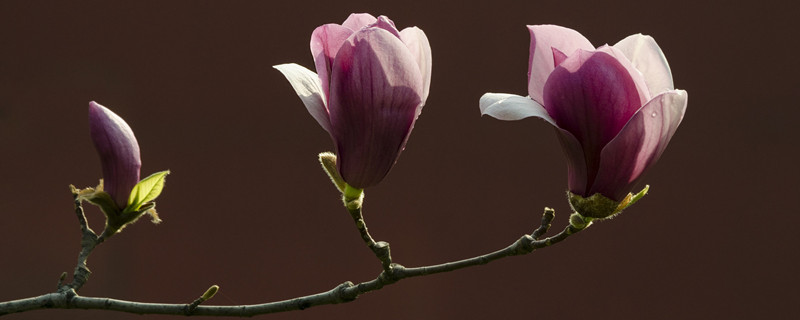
614 107
371 83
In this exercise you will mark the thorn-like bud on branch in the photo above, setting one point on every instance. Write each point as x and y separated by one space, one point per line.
547 219
210 292
61 280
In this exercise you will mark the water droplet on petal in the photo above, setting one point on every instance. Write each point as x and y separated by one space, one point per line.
653 114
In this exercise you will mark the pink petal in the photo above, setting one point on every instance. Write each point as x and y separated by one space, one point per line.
306 85
325 43
647 57
540 63
119 152
376 94
357 21
592 96
558 57
417 42
636 76
639 145
385 23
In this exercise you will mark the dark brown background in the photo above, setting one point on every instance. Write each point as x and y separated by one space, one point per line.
248 208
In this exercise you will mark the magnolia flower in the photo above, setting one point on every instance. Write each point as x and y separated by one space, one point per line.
120 195
118 150
614 108
371 83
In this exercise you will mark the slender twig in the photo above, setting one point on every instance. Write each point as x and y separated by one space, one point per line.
379 248
345 292
361 225
89 240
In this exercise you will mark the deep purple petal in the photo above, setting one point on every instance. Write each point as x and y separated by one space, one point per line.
417 42
592 96
647 57
357 21
306 85
540 63
639 145
119 152
636 76
325 43
376 92
576 161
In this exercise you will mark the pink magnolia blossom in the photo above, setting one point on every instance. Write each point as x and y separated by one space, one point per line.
118 150
614 107
371 83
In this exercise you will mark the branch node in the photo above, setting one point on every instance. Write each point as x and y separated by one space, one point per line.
69 294
391 274
384 254
525 244
342 294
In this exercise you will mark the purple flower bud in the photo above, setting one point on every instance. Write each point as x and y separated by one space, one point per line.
118 150
614 108
371 83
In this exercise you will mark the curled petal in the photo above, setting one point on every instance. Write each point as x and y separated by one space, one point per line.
357 21
118 150
540 63
647 57
639 145
325 43
510 107
506 106
558 57
386 24
417 42
376 94
308 88
592 96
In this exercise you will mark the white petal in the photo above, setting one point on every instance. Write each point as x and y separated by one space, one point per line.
306 83
506 106
647 57
417 42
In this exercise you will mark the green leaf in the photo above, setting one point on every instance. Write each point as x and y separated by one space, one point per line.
146 190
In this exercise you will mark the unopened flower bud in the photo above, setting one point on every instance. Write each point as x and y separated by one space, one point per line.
118 150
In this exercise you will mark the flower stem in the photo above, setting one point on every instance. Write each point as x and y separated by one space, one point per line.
379 248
